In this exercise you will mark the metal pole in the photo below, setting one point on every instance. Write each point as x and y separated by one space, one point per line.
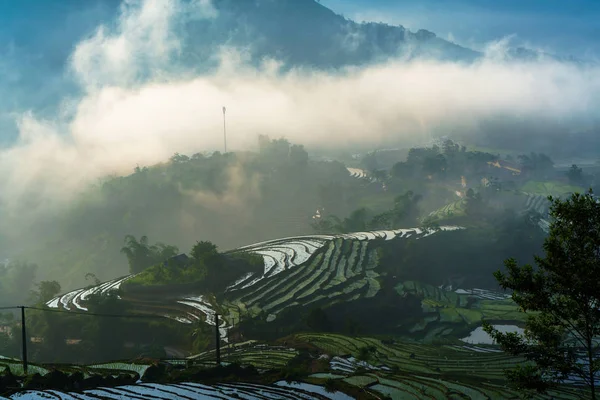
24 339
218 337
224 130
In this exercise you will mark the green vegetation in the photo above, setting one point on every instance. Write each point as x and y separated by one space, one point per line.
414 370
45 291
457 307
389 306
550 188
231 199
141 255
561 298
448 212
204 265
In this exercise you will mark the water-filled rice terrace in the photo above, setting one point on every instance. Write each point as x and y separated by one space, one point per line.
299 271
409 370
446 308
188 390
16 368
399 369
75 299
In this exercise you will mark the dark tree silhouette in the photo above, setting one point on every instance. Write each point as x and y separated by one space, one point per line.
562 297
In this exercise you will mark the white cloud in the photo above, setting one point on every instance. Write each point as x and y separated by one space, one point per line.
144 42
127 117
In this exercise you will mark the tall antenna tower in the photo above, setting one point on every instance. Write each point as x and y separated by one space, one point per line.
224 130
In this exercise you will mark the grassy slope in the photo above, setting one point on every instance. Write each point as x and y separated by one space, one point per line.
550 188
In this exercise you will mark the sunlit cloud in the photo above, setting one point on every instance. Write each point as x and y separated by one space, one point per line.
138 109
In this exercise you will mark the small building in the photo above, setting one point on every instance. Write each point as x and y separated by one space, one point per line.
180 260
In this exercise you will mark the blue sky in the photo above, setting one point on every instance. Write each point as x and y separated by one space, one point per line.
36 39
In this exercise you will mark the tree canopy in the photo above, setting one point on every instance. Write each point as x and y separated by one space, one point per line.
561 296
142 255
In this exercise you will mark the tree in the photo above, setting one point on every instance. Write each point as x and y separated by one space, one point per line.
328 224
275 151
405 211
92 276
142 255
561 297
179 158
540 164
450 148
433 165
380 175
369 161
208 260
356 221
298 156
575 175
46 291
204 251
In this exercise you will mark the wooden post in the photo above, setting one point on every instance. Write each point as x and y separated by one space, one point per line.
218 337
24 339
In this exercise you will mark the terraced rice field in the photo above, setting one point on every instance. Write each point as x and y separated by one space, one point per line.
416 371
537 202
340 269
259 355
410 357
452 210
16 367
444 307
74 299
550 188
120 366
280 390
321 269
357 173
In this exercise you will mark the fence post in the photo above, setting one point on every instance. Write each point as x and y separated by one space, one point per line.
24 339
218 337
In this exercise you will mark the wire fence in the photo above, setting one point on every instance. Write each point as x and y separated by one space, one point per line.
23 365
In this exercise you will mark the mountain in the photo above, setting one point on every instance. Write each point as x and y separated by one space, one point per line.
306 33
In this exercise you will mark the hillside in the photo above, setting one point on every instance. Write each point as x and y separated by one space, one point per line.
338 273
370 312
279 29
363 306
278 191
